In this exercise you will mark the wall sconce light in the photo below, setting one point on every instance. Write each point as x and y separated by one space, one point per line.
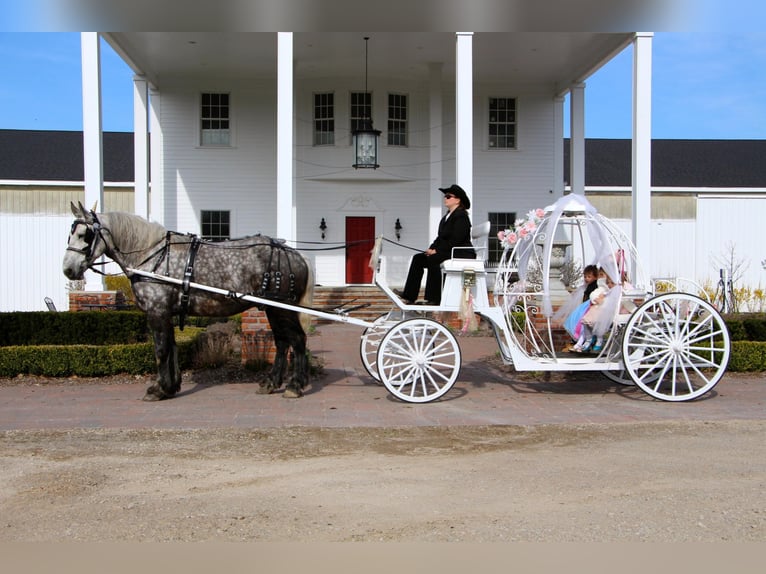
398 229
323 227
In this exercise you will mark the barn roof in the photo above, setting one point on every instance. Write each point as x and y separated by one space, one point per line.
40 155
676 163
45 155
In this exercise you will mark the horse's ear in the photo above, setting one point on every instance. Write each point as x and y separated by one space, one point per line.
95 205
75 210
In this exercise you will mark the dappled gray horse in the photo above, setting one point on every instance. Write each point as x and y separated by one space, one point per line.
256 265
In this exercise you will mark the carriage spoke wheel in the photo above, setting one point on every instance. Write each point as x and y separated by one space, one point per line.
371 338
676 347
418 360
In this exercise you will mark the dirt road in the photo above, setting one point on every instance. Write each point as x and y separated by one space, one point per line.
662 481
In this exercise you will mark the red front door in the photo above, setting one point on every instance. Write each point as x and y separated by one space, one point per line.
360 238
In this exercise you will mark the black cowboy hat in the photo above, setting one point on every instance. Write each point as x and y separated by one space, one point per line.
458 192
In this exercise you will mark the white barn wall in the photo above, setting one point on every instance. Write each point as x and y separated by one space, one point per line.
673 248
31 253
736 221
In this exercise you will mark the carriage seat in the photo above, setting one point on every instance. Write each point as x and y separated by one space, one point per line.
456 271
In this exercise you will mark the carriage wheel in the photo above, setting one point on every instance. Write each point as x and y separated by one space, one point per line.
370 342
418 360
676 347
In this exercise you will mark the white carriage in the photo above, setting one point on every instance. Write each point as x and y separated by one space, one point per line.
674 346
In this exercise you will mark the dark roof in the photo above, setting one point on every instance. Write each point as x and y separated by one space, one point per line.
677 163
58 155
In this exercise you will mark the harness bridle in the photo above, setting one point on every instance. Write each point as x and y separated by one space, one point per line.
95 229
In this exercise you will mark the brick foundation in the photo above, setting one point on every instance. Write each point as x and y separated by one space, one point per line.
96 300
257 342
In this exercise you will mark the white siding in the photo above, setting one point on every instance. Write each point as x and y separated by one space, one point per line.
735 221
240 178
31 253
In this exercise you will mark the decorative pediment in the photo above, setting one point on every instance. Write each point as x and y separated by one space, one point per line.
360 202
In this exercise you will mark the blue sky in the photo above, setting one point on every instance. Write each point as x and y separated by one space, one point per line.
706 85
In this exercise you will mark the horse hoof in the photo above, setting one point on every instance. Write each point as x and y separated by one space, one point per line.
264 390
156 393
292 394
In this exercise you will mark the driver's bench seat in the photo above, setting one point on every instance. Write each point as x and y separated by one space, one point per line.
457 272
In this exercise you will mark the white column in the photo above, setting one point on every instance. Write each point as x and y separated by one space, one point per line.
141 146
577 139
90 51
464 113
436 149
285 186
157 196
642 146
557 185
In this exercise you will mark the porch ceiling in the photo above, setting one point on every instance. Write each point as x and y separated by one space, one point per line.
555 60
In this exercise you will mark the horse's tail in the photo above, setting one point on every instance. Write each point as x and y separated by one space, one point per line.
308 295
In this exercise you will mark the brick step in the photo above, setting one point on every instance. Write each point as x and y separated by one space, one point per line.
330 298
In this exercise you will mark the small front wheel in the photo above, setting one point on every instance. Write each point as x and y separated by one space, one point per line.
676 347
418 360
370 341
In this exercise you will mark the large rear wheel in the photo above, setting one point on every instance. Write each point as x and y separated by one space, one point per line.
676 347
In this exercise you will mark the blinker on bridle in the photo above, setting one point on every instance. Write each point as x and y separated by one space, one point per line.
92 233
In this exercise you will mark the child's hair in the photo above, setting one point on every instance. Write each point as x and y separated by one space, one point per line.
592 269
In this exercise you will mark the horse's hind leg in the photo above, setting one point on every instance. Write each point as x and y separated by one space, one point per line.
166 355
294 333
276 375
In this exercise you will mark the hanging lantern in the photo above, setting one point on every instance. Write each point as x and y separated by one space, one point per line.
365 138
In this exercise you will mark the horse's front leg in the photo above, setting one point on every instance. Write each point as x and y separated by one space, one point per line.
166 355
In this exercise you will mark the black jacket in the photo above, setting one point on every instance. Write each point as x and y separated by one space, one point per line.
454 232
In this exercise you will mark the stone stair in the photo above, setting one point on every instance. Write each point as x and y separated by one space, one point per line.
328 298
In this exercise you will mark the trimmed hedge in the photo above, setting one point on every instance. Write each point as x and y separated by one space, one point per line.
81 328
88 360
746 327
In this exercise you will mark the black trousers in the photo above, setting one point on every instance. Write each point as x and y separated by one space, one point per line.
418 265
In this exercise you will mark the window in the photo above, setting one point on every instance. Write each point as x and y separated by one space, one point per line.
214 120
499 221
397 119
215 225
502 123
361 109
324 119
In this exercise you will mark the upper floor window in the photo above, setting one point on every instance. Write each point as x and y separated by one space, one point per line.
502 123
215 128
499 221
215 225
397 119
361 109
324 119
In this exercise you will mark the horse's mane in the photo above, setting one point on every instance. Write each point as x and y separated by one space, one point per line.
131 232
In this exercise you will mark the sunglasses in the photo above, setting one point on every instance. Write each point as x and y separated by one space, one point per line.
448 196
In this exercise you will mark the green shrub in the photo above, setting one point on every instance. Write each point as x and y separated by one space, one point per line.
90 360
81 328
746 326
747 356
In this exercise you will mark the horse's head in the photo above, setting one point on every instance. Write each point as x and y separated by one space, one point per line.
85 244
